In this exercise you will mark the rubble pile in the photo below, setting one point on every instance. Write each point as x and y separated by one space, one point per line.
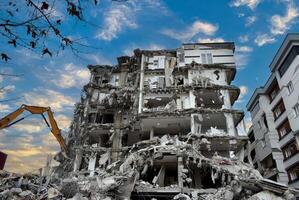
126 179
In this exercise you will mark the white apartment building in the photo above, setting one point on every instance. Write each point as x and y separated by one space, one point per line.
274 109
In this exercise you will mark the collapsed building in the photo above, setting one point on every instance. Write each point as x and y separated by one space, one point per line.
160 125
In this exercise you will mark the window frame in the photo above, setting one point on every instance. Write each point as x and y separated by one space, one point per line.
282 125
279 103
296 109
285 147
289 169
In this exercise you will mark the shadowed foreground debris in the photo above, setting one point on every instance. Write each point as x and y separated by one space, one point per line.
159 125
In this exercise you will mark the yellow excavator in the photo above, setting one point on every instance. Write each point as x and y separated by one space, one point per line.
8 121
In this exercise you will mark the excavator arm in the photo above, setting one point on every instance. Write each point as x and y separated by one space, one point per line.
9 120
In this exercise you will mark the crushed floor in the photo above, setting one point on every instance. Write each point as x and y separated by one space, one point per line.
126 179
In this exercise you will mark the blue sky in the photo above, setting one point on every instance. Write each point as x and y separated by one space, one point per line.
257 27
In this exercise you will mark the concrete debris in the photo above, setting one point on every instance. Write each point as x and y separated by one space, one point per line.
158 125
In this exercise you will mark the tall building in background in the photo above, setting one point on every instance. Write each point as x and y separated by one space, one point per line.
274 109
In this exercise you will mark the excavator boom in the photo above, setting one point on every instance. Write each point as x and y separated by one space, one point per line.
9 120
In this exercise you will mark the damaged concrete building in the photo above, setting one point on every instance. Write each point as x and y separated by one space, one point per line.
160 125
163 117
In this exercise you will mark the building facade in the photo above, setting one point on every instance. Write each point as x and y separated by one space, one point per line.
274 108
170 101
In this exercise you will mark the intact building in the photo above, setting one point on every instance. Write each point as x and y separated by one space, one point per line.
274 108
170 102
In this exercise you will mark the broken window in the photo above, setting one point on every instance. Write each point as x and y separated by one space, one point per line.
102 118
97 80
108 118
91 117
208 178
105 81
101 79
104 139
99 118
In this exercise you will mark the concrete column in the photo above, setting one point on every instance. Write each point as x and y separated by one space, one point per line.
282 176
116 141
231 129
226 99
141 84
180 172
152 133
192 99
78 160
92 164
196 120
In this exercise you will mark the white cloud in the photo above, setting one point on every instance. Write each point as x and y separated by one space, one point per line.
46 97
29 126
243 92
6 89
280 24
210 40
243 38
241 60
4 108
244 49
252 4
118 17
129 51
250 20
189 32
71 76
263 39
98 59
241 15
63 121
